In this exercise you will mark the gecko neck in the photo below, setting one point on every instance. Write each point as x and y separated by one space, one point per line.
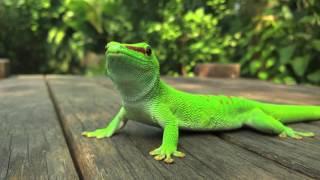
137 89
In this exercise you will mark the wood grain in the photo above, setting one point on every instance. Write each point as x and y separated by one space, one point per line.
32 145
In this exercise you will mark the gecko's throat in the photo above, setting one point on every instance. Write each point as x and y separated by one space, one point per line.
132 78
123 65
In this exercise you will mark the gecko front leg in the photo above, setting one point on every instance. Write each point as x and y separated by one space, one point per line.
118 122
168 148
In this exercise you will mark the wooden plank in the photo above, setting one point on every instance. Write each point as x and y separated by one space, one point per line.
302 156
212 157
86 104
32 144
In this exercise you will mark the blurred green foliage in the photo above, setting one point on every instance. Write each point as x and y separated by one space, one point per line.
282 42
272 39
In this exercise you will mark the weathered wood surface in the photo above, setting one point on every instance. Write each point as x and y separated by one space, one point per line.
87 104
32 144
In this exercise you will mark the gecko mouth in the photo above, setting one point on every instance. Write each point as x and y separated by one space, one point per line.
128 57
124 58
118 61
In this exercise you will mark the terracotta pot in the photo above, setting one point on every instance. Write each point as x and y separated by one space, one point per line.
218 70
4 68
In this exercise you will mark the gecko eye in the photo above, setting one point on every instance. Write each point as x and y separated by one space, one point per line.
148 50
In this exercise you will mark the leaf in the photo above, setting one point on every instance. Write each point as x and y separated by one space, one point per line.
59 36
300 64
286 53
282 69
286 12
263 75
255 66
52 33
316 44
270 62
289 80
314 77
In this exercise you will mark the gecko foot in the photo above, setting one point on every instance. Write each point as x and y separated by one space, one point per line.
288 132
163 153
98 133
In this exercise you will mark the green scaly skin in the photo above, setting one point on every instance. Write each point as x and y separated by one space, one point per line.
134 70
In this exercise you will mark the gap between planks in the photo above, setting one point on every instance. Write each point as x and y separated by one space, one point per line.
59 117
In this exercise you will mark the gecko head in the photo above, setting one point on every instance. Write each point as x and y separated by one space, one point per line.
130 60
133 68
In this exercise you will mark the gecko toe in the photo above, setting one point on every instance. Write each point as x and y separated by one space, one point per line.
168 160
289 132
155 152
179 154
159 157
84 133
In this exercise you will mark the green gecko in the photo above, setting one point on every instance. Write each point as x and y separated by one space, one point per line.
134 70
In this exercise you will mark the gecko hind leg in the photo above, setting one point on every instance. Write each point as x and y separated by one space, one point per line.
263 122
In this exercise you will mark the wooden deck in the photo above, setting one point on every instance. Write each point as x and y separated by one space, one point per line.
41 120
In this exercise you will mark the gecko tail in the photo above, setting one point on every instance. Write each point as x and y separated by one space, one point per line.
292 113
